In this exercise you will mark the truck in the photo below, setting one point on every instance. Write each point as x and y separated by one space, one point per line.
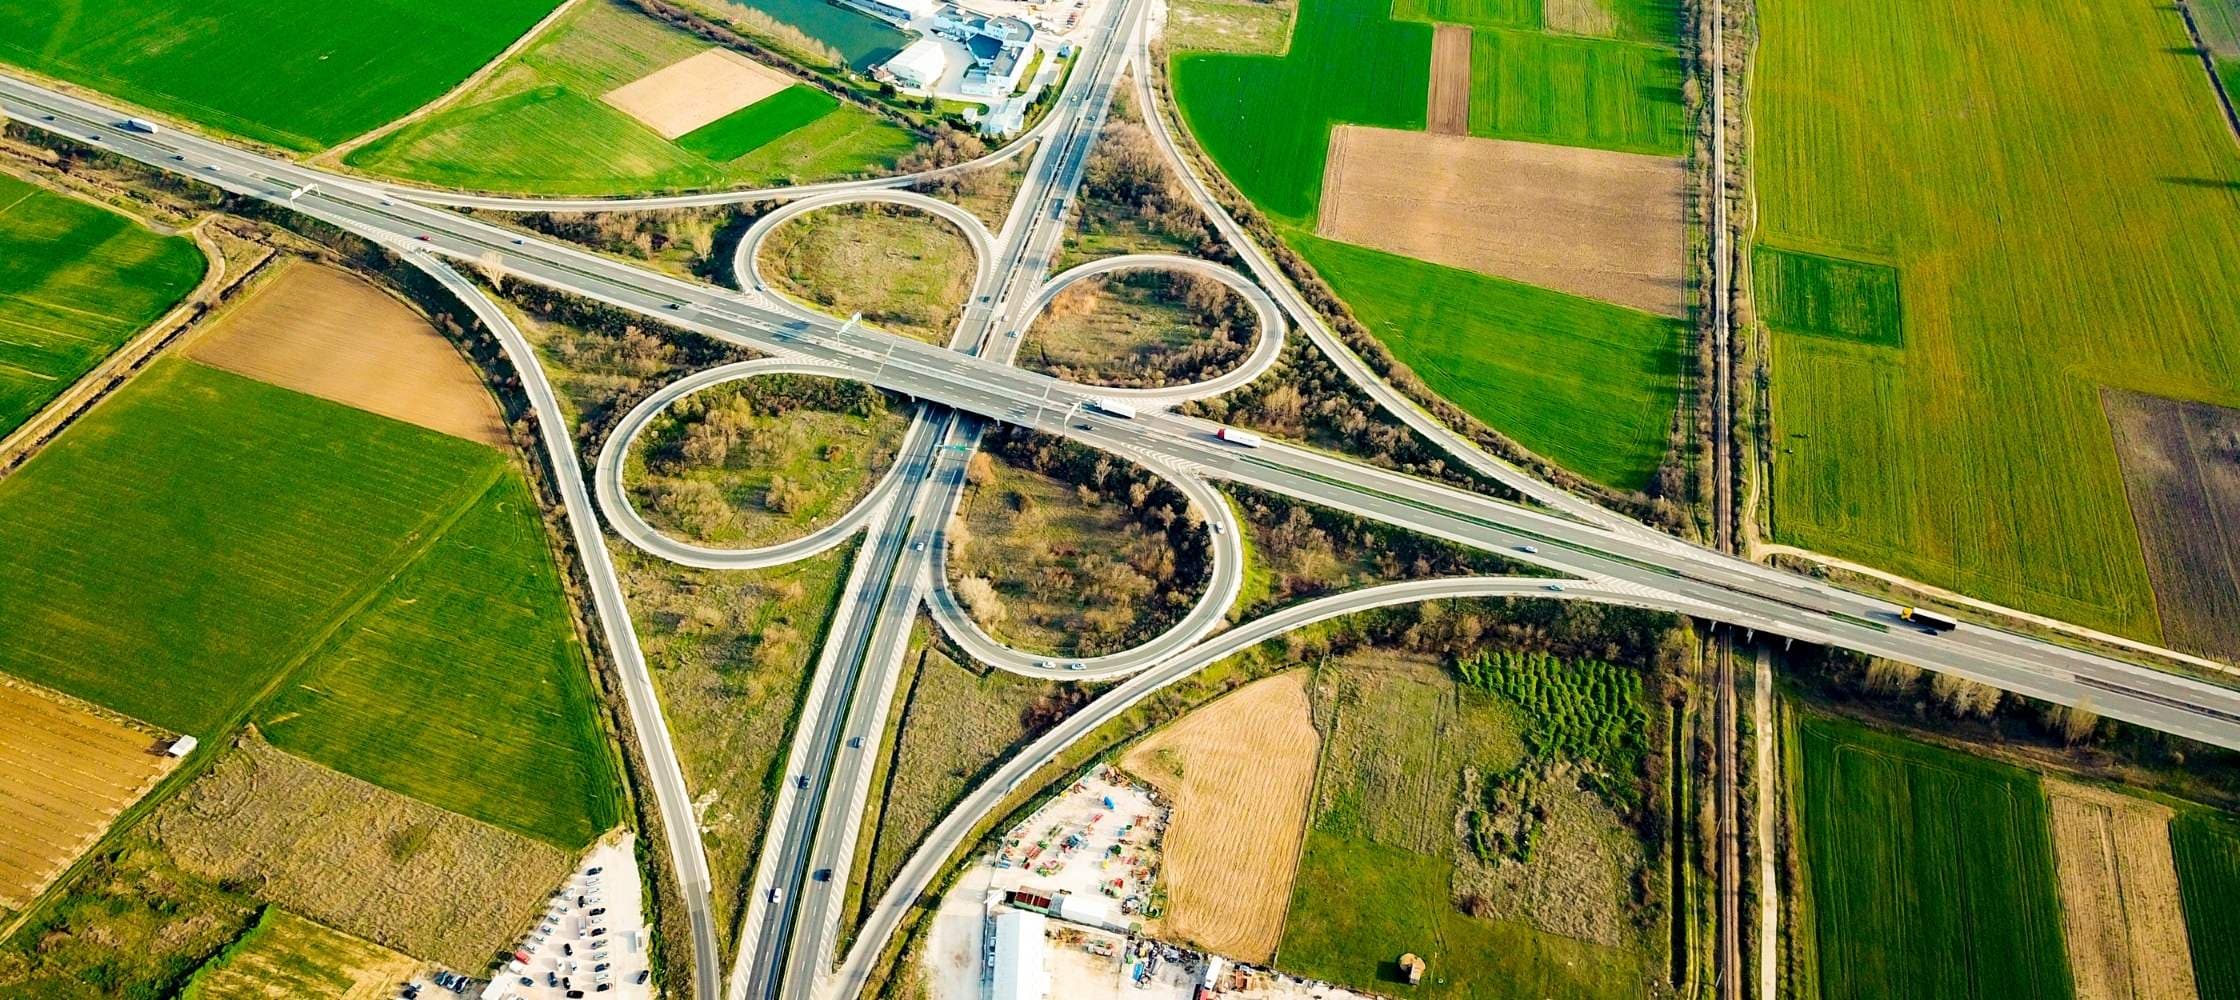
141 125
1928 619
1113 408
1240 438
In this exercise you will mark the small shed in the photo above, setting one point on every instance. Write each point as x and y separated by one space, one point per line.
1411 967
181 747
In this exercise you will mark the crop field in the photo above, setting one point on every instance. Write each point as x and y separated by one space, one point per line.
1238 773
1931 872
285 956
1249 26
359 858
462 684
76 282
2207 849
730 652
70 771
2017 125
525 128
2121 917
246 66
759 124
1590 385
1599 395
199 531
2181 467
1577 91
762 461
905 271
336 336
1808 293
1588 222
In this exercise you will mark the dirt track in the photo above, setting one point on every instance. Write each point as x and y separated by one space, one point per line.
2119 893
1586 221
1239 773
323 332
1449 113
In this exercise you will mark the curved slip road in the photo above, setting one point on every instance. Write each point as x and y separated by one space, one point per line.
1267 347
672 797
623 515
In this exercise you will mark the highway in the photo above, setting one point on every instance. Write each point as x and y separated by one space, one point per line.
1605 557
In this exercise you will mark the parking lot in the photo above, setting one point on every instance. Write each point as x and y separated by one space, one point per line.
592 940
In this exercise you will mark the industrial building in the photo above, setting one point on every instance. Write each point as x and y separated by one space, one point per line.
919 65
1018 968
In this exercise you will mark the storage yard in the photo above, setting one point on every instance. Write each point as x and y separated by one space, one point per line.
593 935
1056 911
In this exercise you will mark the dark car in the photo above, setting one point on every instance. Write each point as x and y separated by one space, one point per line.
593 871
575 994
801 781
602 967
598 911
822 874
567 949
642 976
552 979
603 987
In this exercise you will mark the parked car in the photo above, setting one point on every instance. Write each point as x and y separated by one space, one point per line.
598 911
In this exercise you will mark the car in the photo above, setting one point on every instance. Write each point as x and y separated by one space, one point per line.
213 168
386 201
597 911
855 742
552 980
603 987
1217 528
93 137
918 546
642 976
800 781
518 241
673 305
575 995
598 932
1013 334
593 870
1528 549
777 895
179 156
601 967
567 949
526 981
822 874
423 237
1557 587
46 118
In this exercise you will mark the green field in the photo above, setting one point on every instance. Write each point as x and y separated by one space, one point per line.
295 73
2207 849
2065 222
1930 872
187 540
1590 385
757 125
1634 20
1576 91
75 283
462 684
1823 296
537 125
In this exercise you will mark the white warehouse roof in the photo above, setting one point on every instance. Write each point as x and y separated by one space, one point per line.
919 64
1094 911
1019 970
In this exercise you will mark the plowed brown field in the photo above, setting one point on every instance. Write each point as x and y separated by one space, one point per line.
320 331
1239 773
2125 931
1450 80
1585 221
65 772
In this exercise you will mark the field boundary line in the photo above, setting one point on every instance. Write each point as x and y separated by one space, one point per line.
332 155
